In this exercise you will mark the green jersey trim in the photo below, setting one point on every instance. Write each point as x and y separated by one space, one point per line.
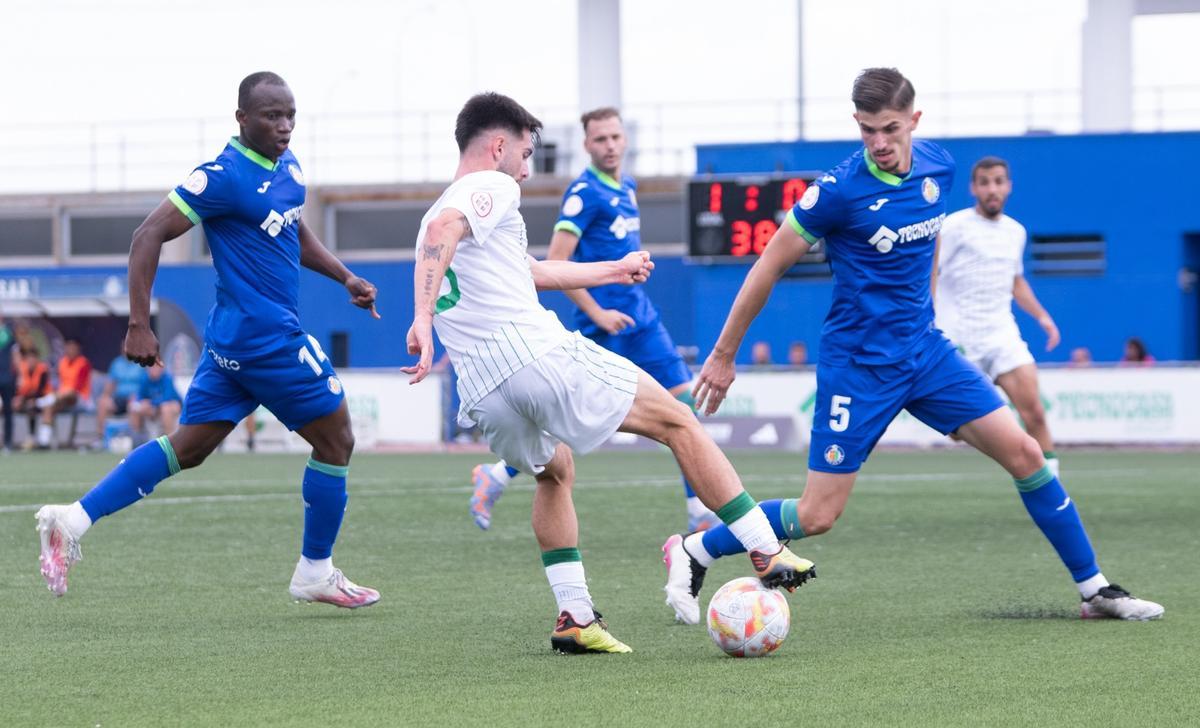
885 177
254 156
791 220
450 300
184 207
569 227
605 178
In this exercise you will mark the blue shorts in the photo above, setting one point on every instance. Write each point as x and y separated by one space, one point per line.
856 403
651 348
295 382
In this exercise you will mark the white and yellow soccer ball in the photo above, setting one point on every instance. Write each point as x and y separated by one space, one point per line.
746 619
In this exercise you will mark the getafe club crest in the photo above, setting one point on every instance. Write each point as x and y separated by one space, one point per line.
834 455
296 174
930 190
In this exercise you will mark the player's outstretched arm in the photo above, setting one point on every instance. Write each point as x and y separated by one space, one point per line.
1023 295
612 321
165 223
565 275
783 250
442 237
315 256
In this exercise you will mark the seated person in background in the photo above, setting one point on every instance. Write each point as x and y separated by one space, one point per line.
798 354
74 388
1135 354
760 354
156 397
1081 358
33 383
119 393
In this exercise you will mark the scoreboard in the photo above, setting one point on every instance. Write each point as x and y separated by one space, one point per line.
735 217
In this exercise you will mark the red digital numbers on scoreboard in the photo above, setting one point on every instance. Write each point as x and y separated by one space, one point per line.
737 217
714 198
739 238
793 190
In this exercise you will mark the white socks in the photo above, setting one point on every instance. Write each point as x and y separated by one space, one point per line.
696 509
310 570
694 546
44 434
1052 463
755 532
500 473
1088 588
78 521
570 590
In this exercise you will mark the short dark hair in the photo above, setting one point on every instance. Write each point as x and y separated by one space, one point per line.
491 110
248 84
604 112
877 89
989 162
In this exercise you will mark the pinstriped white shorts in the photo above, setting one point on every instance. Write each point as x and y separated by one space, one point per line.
576 393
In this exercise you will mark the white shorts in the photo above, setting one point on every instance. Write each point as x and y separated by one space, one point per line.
998 354
577 393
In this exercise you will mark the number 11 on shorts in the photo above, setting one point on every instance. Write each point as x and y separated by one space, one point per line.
839 407
314 362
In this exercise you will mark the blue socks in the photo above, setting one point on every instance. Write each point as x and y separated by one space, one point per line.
687 488
720 541
1054 512
324 492
134 478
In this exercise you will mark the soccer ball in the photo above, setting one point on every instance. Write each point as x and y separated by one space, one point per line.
746 619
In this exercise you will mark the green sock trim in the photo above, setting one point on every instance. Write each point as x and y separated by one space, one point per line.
736 508
560 556
172 461
790 516
1035 481
337 471
686 397
1050 455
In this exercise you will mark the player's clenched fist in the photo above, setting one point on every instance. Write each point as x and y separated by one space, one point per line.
362 293
637 266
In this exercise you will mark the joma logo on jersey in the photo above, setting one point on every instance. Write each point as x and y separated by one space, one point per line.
885 238
275 223
622 226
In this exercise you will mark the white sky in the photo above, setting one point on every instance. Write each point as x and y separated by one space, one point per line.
73 63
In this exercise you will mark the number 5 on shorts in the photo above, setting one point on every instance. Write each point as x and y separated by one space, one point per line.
306 357
839 407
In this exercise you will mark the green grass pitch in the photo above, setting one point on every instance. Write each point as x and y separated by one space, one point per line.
938 602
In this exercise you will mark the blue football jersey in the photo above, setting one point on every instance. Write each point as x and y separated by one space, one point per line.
604 214
250 208
880 231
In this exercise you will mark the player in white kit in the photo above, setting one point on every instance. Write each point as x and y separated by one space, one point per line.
536 390
979 275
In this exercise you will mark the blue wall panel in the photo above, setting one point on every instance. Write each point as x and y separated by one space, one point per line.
1134 189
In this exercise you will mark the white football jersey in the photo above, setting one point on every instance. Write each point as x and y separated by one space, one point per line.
488 315
978 261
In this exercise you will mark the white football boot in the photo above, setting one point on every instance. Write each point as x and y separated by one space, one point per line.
685 576
60 548
1113 602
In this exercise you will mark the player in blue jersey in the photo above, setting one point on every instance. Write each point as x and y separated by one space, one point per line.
879 213
249 199
599 221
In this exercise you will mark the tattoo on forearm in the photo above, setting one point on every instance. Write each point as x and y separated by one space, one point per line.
428 283
432 252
